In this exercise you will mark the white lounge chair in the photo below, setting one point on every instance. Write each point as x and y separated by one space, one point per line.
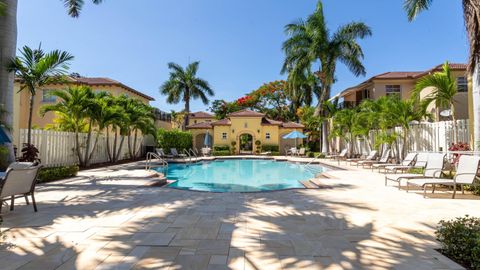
419 162
302 151
20 180
383 160
465 175
433 169
175 153
341 156
407 162
162 154
371 156
206 151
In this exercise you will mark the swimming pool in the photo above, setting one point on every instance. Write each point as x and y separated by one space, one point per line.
240 175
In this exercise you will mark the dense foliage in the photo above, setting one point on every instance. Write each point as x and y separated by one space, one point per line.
29 153
174 139
460 239
221 153
80 109
220 147
56 173
270 148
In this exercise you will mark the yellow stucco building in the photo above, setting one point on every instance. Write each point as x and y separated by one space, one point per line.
403 83
22 101
245 128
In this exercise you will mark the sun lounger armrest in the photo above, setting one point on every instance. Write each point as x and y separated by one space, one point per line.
437 173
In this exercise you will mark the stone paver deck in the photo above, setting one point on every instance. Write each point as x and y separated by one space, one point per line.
111 219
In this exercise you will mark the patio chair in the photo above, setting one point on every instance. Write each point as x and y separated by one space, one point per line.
20 180
206 151
371 156
341 156
162 154
302 151
291 151
465 175
383 160
333 155
175 153
407 162
419 162
433 169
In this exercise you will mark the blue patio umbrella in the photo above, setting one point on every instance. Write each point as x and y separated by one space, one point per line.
208 139
295 135
4 137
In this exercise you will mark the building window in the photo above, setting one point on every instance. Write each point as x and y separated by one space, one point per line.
47 97
462 84
365 94
224 136
267 136
393 90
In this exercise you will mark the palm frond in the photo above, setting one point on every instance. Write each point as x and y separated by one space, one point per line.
414 7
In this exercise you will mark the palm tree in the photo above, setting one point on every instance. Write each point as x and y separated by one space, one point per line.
310 42
8 47
343 126
184 85
74 102
471 11
35 69
444 90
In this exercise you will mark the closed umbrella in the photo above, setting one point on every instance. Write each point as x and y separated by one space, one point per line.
4 137
295 135
208 140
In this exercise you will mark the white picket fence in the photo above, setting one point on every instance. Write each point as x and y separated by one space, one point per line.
57 148
424 137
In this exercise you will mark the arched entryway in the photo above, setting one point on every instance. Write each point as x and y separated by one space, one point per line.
246 143
199 141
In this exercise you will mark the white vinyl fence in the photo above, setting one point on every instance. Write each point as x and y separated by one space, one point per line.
57 148
424 137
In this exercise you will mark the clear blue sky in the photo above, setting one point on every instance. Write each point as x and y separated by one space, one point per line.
238 42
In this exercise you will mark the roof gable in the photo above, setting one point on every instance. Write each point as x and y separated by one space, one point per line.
246 113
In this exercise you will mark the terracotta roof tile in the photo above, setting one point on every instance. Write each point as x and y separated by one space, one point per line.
202 125
292 125
270 122
201 115
223 122
246 113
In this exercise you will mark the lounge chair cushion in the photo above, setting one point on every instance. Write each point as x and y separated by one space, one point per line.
424 181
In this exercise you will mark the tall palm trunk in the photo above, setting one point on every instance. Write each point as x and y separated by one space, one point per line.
120 147
187 108
476 106
135 144
454 125
8 46
77 147
86 161
30 116
109 152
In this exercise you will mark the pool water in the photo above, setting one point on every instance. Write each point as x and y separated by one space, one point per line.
240 175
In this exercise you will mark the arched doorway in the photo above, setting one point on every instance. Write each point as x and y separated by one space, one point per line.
199 141
246 143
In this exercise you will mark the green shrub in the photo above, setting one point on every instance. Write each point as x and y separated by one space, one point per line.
4 158
275 153
315 154
475 189
258 142
270 148
221 148
174 139
56 173
460 239
221 153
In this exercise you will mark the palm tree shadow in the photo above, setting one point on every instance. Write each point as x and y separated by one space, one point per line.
112 225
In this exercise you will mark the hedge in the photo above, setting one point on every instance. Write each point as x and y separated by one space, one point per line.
221 148
270 148
221 153
174 139
460 239
56 173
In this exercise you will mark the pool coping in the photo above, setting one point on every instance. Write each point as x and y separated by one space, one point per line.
275 158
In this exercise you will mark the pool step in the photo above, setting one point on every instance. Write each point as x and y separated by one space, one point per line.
308 184
316 182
